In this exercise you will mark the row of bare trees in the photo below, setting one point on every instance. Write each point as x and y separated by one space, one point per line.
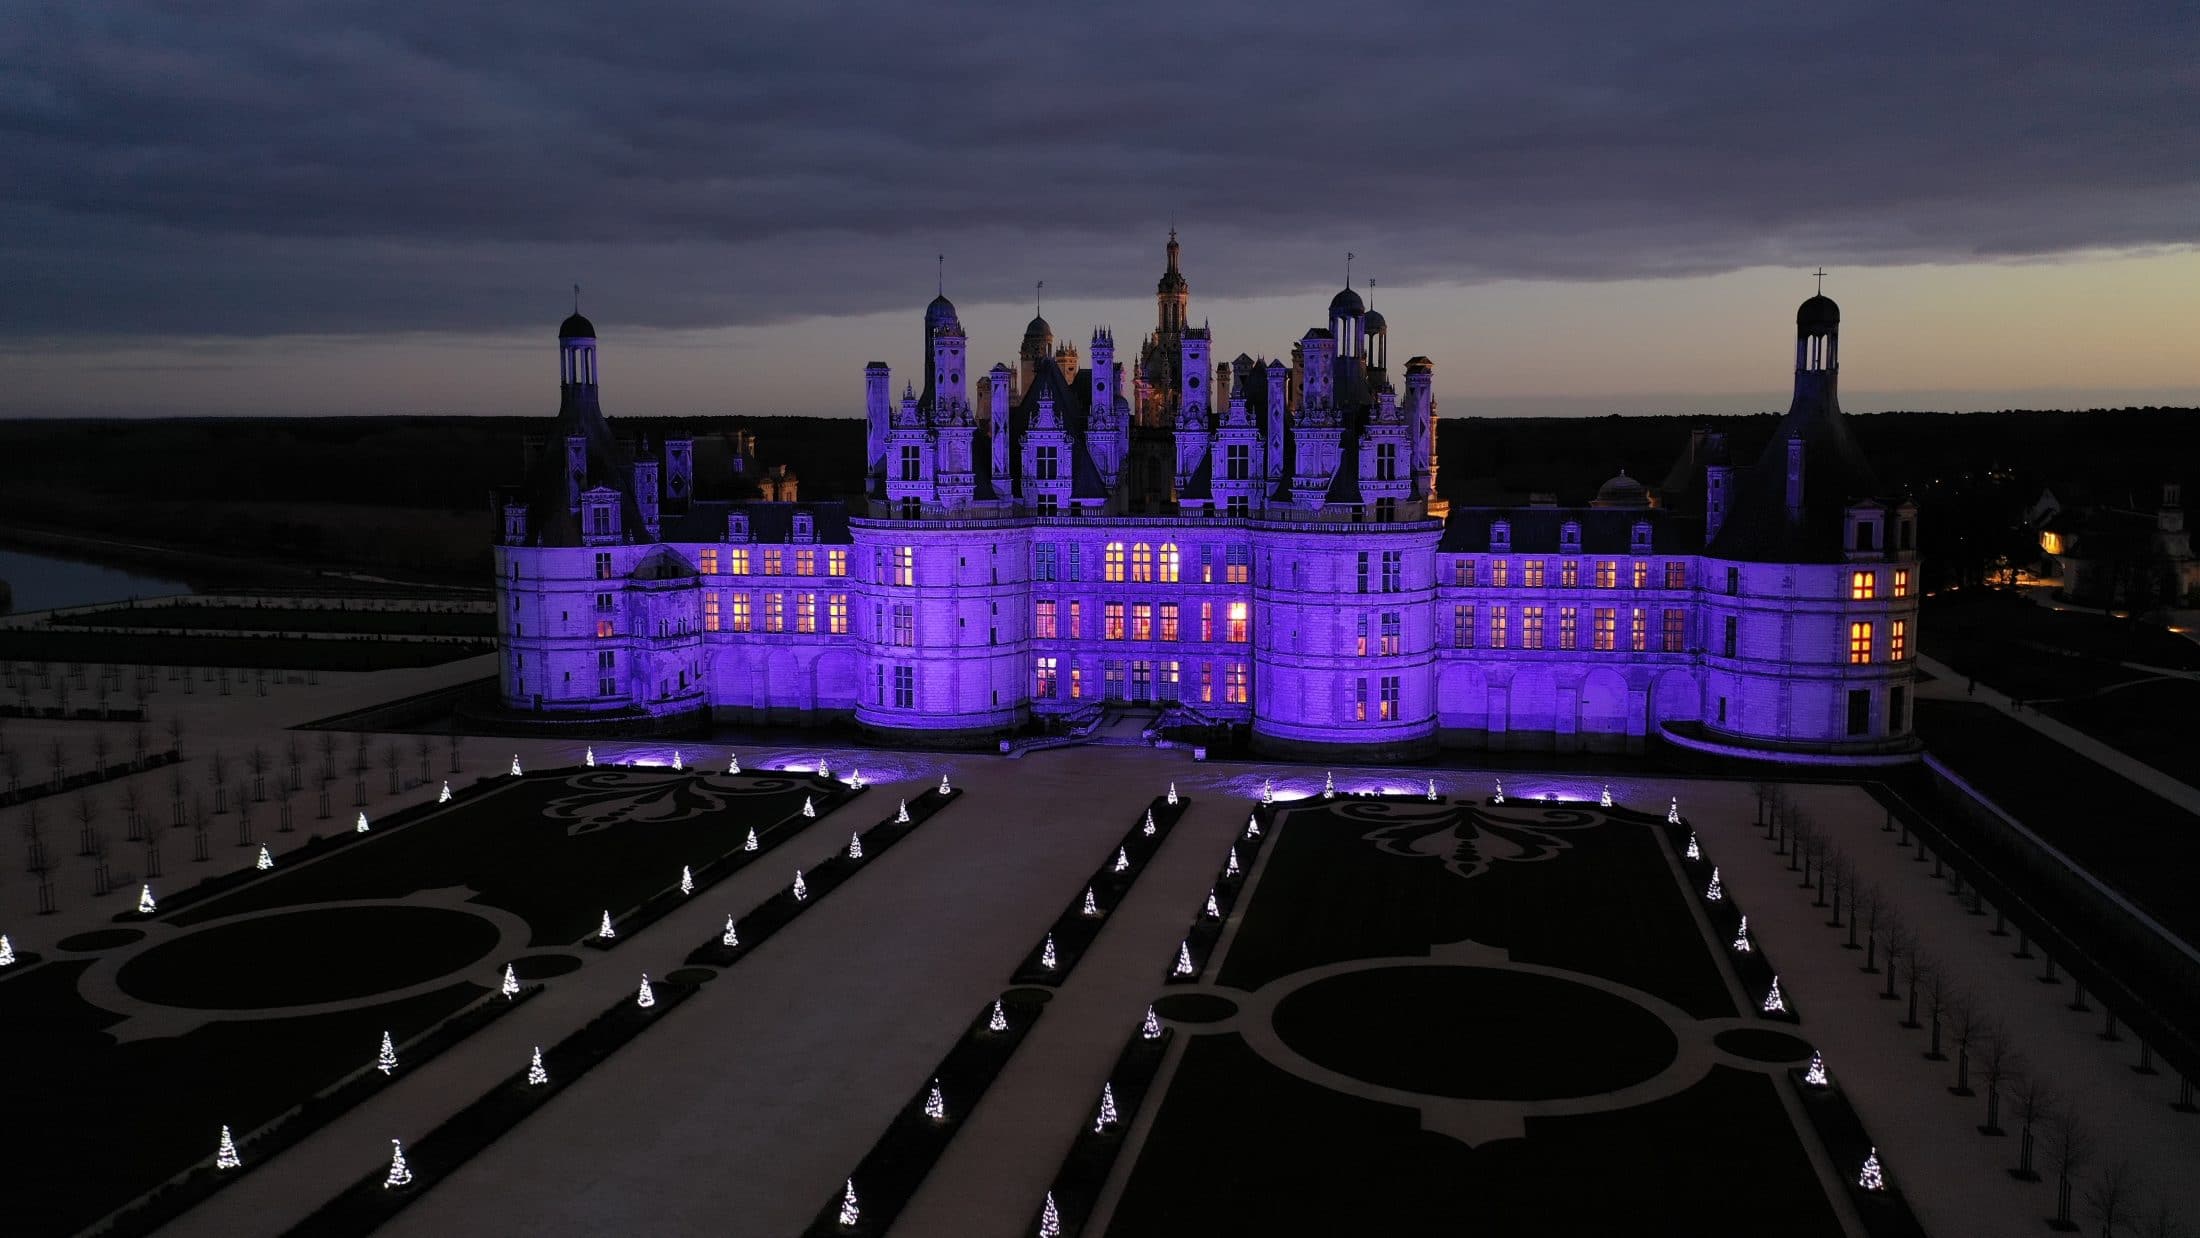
2049 1129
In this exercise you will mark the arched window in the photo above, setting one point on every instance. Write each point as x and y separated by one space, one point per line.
1171 563
1115 561
1141 563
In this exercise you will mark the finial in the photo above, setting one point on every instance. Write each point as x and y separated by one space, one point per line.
1038 299
943 274
1821 274
576 298
1371 294
1348 256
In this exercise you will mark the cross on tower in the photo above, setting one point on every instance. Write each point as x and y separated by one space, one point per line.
1821 274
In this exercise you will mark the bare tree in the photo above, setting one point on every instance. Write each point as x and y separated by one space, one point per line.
1965 1022
87 811
256 761
2035 1103
2162 1222
2108 1194
424 748
141 742
1895 941
2069 1150
293 756
1998 1064
58 756
1939 995
393 759
328 755
175 733
133 808
14 760
103 746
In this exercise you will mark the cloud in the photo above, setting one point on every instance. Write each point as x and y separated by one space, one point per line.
245 169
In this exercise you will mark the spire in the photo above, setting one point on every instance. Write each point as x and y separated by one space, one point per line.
1370 288
1172 250
1348 257
576 298
1038 300
943 275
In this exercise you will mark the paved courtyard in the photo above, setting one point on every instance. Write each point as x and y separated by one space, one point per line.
747 1108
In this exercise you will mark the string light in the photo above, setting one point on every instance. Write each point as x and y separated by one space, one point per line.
733 763
145 901
1605 800
515 765
944 788
1184 958
400 1173
687 880
1050 1219
1774 1003
1230 866
265 862
445 796
731 938
589 758
1107 1116
536 1075
1329 786
749 843
604 931
509 986
902 817
935 1105
1816 1075
1741 937
809 807
1695 849
801 887
361 827
676 760
385 1058
1047 957
1172 798
646 996
998 1021
1673 812
850 1211
1499 798
1872 1178
1122 860
1214 912
1148 828
1714 892
1092 906
1432 790
855 846
1150 1029
225 1156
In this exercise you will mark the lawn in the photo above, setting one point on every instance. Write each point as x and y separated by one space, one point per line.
2034 653
1240 1144
2150 722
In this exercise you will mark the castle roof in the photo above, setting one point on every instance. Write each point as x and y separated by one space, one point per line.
1758 527
1604 530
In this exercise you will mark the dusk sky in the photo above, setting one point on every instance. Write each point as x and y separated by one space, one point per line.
1573 208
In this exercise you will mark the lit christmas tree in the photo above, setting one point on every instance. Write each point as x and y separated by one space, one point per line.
801 887
731 938
265 861
515 765
855 846
1741 937
1872 1178
1122 860
824 768
1252 826
400 1173
385 1059
1184 958
1107 1116
749 843
1329 786
1673 812
444 797
809 807
1816 1075
855 779
676 760
1150 1029
850 1211
687 880
1432 790
1695 849
944 788
509 986
225 1154
1172 798
536 1075
7 951
1499 798
1092 906
1148 828
998 1021
1050 1219
1774 1003
604 931
145 901
1230 866
589 758
1605 800
935 1105
645 997
1214 912
733 763
1714 892
1267 792
361 828
1047 957
901 815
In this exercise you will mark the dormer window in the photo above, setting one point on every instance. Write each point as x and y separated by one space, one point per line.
1638 540
1501 535
1867 535
515 523
1569 535
600 515
805 527
737 527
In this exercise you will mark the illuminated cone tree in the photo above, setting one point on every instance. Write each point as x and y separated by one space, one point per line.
1108 1115
749 843
400 1174
225 1154
385 1058
645 997
1150 1028
935 1105
1184 959
536 1075
998 1020
509 986
731 937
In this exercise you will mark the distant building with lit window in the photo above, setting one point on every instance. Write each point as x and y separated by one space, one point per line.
1251 541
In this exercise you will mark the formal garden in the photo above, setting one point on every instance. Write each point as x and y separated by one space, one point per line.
261 1000
1425 1014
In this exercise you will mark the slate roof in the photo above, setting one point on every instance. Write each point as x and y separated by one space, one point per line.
1758 527
1604 530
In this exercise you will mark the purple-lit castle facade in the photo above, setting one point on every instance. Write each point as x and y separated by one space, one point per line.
1249 541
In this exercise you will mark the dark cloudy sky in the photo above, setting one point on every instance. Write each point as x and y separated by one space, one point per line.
343 207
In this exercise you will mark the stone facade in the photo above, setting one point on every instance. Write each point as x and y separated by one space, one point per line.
1250 541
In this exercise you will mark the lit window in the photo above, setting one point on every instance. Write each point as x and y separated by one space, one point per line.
1237 623
740 612
604 627
1043 621
1390 698
1566 615
775 562
1076 620
1141 563
1239 566
1168 620
1605 636
1171 563
1500 620
775 612
905 624
1206 621
1392 634
836 563
1569 574
1531 627
1500 573
1044 687
1359 700
740 557
603 566
1531 573
1898 640
707 560
1114 562
837 613
1142 621
805 563
710 610
805 612
905 565
1676 631
1902 582
1860 643
1607 574
1462 573
1676 575
1462 627
1076 683
1642 574
1233 684
1863 586
1359 647
1112 621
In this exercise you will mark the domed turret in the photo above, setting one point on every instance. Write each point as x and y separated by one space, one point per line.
1346 304
576 327
940 312
1817 315
1621 491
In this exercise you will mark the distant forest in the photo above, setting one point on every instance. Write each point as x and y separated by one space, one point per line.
409 496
